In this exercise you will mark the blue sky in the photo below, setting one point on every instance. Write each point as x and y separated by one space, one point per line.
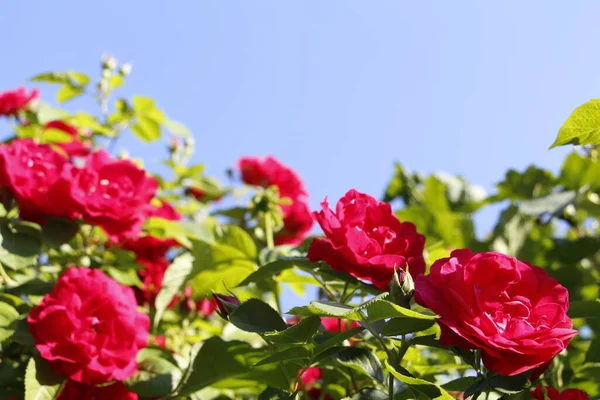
337 89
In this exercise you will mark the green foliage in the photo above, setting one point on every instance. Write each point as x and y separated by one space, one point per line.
548 219
582 127
41 382
258 317
158 374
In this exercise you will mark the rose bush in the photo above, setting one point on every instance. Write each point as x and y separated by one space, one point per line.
120 282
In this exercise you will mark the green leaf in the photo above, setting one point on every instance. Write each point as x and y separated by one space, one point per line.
41 382
460 384
116 81
533 182
146 129
302 332
232 359
237 238
165 229
362 360
509 384
274 394
177 128
143 104
79 78
384 309
552 203
478 386
584 309
334 340
578 171
582 127
15 302
328 309
127 277
293 353
45 113
55 136
68 92
174 280
21 244
272 269
8 317
593 353
257 316
57 232
370 394
157 374
224 263
430 389
403 326
572 251
51 77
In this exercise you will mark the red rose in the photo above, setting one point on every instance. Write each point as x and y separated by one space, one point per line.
332 324
271 172
164 211
151 253
74 148
205 307
309 378
297 222
12 101
514 312
538 371
553 394
366 240
79 391
88 328
39 179
115 194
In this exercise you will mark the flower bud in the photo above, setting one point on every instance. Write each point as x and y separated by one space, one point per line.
225 305
109 62
401 288
125 69
174 144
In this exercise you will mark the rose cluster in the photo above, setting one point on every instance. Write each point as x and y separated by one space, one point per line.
269 171
115 195
511 311
110 193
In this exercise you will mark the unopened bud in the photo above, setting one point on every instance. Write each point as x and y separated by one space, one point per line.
125 69
401 288
109 62
174 144
225 305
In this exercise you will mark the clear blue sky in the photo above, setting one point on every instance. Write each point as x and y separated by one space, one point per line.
337 89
